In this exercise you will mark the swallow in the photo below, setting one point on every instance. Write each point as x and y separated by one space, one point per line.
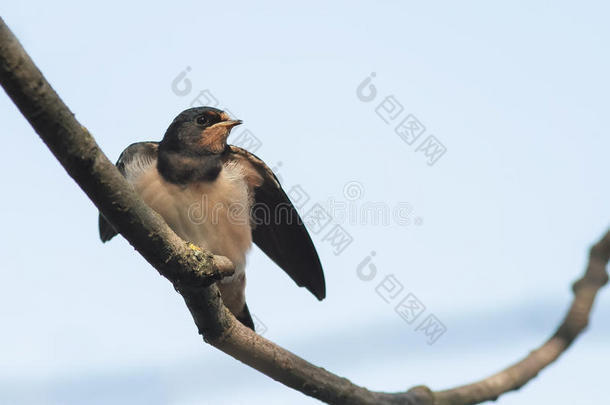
221 198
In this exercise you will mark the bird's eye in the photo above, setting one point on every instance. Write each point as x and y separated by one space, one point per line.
202 120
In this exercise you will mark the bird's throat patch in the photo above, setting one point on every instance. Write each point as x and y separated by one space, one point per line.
214 138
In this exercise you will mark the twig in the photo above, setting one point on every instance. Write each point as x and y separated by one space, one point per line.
193 271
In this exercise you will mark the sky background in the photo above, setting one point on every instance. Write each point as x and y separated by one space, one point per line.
499 227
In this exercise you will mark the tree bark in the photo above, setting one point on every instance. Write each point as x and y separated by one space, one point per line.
193 272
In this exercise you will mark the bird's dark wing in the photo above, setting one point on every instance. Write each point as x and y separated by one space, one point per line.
278 228
135 160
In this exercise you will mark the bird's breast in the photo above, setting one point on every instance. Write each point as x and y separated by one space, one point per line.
214 215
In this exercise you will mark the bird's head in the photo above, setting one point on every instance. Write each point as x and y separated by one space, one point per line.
199 131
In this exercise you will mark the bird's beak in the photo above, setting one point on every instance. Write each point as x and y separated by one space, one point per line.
215 137
228 124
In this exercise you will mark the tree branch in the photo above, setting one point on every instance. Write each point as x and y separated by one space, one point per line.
180 262
193 271
576 320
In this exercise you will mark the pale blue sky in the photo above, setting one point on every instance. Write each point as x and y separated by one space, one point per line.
517 92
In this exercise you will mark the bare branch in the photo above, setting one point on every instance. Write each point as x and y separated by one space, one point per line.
577 319
193 271
80 155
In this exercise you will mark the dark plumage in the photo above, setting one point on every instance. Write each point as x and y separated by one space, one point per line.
194 167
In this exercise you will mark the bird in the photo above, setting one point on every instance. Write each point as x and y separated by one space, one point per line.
221 198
